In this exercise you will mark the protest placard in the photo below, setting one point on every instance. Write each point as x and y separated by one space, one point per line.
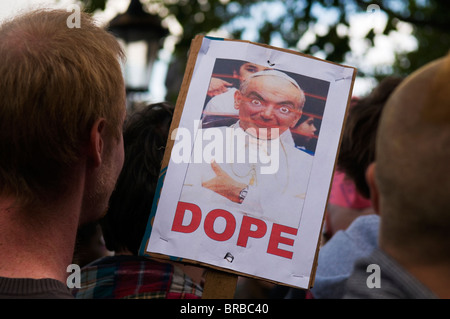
248 166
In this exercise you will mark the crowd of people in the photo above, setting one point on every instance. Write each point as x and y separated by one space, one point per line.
78 175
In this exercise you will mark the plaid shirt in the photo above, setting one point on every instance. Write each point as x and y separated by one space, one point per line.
134 277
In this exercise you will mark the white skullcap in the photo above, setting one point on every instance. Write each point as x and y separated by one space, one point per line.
276 73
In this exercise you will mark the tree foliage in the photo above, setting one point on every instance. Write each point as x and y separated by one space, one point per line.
430 20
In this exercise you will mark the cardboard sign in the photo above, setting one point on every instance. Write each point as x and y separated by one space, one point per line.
249 162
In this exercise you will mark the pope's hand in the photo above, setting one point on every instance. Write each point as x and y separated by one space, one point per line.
223 184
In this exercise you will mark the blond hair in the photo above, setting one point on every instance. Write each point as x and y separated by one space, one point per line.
55 83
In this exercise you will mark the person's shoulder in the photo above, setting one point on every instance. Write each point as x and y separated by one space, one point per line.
301 154
305 150
379 276
222 103
30 288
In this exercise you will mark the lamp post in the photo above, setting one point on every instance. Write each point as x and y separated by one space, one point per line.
142 35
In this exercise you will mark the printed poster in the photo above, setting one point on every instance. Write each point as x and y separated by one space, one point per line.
251 160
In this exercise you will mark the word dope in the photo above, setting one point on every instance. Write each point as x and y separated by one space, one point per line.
250 228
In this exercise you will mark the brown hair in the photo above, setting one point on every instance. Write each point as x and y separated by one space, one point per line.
358 139
55 83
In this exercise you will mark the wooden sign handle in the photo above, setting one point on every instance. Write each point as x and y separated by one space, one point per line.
219 285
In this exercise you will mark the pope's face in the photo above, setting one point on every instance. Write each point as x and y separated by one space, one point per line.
268 102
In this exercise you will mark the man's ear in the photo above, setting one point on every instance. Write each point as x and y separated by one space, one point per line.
297 118
96 142
237 99
373 187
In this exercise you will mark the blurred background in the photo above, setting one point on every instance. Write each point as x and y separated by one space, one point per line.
380 38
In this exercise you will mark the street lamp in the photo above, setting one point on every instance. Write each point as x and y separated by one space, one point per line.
142 35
